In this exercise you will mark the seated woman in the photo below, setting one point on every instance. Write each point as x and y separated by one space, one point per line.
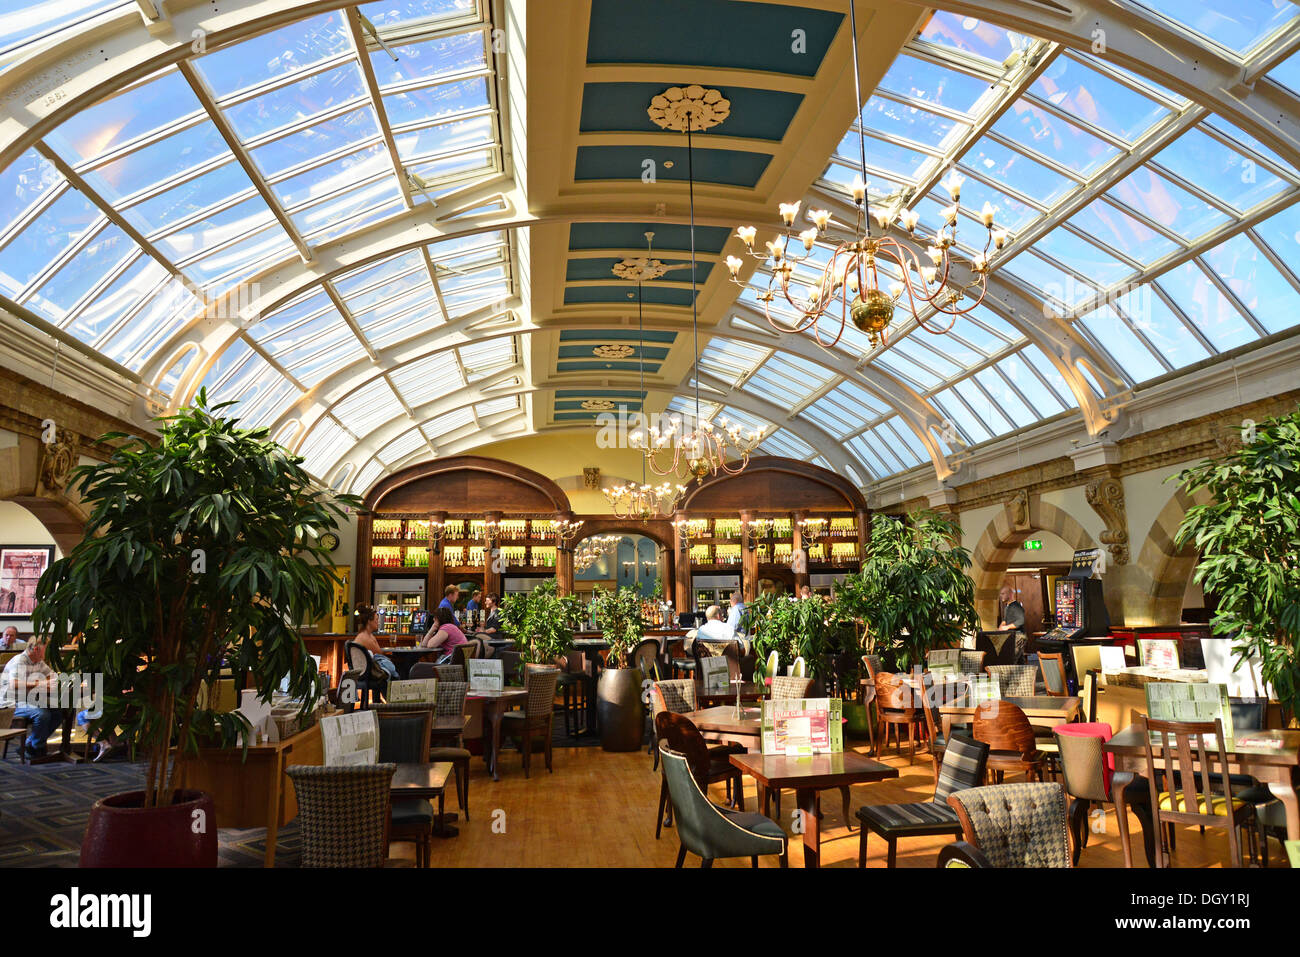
367 622
445 633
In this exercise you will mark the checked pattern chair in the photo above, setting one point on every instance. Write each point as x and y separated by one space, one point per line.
449 745
962 768
343 813
1010 825
1014 681
971 662
537 716
788 686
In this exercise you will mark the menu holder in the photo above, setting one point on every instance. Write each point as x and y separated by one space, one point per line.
350 739
486 674
412 691
1189 701
714 674
1112 658
798 727
984 688
942 671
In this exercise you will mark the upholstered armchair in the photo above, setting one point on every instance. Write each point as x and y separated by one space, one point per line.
1010 825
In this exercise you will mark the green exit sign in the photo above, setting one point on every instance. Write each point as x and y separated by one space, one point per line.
1033 545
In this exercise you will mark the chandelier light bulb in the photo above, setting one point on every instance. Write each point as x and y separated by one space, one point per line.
928 273
953 184
747 234
775 249
986 215
896 289
733 264
950 214
999 238
852 281
789 211
882 217
935 254
809 236
979 262
820 218
910 218
859 189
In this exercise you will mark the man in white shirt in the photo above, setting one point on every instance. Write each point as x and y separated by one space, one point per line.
21 676
714 628
736 611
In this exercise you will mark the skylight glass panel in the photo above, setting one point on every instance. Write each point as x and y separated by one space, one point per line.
1114 335
298 322
1052 283
215 188
1240 138
263 410
402 446
369 406
24 182
297 102
365 287
42 241
217 228
787 379
972 36
367 477
844 409
1009 213
481 359
444 425
101 257
1287 73
685 406
509 403
1106 223
108 126
920 79
995 161
863 449
891 158
332 177
197 146
1255 282
1086 258
1037 379
1008 401
897 119
324 445
346 131
397 13
731 360
1160 326
331 217
276 54
309 364
747 421
785 442
1162 201
984 407
455 136
428 378
1240 26
986 331
970 428
1281 233
143 278
1095 98
1046 134
218 272
1205 307
244 381
446 100
917 347
18 28
1218 170
419 63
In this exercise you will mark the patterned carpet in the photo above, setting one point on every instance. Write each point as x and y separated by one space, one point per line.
43 811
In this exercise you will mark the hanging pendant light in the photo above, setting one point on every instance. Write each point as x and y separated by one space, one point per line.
703 449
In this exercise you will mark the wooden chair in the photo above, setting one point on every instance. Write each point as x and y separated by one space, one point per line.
11 732
450 745
343 813
1053 671
537 717
708 765
1192 784
895 707
404 739
676 697
1010 737
1088 781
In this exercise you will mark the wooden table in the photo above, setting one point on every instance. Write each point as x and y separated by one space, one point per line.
1274 762
427 781
495 704
1039 709
748 692
721 720
807 776
252 792
404 658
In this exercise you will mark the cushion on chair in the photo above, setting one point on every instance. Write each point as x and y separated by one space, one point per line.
1216 802
964 760
412 811
789 686
1018 825
678 694
1014 681
753 821
922 817
449 754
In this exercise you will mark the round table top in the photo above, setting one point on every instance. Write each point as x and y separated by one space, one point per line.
723 718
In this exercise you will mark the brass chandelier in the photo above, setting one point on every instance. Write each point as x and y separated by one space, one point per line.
703 449
849 286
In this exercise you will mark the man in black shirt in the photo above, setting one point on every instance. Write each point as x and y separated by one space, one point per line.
1012 616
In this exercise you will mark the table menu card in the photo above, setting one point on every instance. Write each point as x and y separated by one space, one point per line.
1189 701
486 674
802 726
984 688
350 738
421 690
714 674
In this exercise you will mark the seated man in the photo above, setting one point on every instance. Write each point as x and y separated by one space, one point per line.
21 676
714 628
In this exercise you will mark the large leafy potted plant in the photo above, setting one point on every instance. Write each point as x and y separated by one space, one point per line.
201 554
912 593
812 628
541 622
1248 537
618 691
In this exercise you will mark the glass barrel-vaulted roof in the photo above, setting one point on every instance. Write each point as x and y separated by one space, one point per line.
1148 232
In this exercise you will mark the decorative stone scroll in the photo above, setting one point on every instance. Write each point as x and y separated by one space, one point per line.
1106 496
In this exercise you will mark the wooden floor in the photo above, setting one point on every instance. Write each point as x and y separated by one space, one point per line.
597 809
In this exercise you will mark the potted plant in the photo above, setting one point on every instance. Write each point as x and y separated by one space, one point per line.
541 622
1248 537
201 554
813 628
618 691
912 593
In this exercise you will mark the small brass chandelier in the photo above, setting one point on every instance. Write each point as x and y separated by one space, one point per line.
642 502
850 284
703 449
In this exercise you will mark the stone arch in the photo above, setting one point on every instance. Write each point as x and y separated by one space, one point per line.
1165 568
1001 540
21 482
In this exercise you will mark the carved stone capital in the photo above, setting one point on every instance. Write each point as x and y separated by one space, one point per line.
1106 496
58 458
1018 509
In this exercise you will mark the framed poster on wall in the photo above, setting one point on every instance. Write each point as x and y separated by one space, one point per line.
21 567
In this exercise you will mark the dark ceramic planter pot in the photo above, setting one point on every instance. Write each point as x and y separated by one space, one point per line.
619 708
122 832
